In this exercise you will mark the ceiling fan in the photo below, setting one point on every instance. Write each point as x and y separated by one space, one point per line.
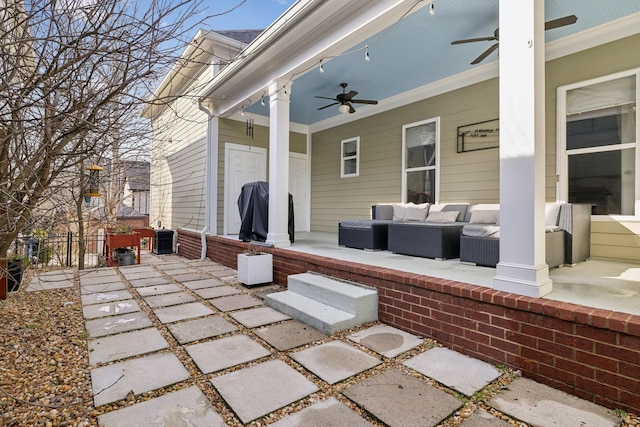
344 100
549 25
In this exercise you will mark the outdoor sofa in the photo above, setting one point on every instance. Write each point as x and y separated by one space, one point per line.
567 236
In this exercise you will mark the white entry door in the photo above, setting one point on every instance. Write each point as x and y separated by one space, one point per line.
243 164
298 189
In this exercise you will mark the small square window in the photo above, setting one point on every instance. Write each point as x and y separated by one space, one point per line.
350 157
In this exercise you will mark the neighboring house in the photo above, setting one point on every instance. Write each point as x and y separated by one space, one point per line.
136 191
337 165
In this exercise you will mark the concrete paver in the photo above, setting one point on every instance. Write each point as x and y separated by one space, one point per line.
235 302
147 273
158 289
289 335
182 311
109 309
151 281
217 291
165 300
327 413
42 281
103 297
115 324
113 382
168 266
213 356
224 273
187 407
94 279
197 329
386 340
260 316
128 344
444 366
398 399
482 418
183 269
540 405
203 283
102 288
251 391
188 277
335 361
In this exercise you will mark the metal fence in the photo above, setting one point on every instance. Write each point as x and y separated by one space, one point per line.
60 249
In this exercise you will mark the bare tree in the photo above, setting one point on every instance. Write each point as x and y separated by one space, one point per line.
73 77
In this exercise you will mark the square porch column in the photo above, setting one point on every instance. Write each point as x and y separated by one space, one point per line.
278 234
522 268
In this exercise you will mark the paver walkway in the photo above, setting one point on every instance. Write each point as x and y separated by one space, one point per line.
210 353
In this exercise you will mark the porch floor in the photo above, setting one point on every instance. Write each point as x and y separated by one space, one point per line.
593 283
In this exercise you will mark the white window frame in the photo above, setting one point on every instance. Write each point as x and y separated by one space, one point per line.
344 158
562 157
435 167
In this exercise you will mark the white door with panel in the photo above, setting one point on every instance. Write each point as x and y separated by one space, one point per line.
243 164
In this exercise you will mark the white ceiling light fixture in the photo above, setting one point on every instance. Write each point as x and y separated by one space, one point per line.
344 108
432 8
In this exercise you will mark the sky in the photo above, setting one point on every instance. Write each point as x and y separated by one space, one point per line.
248 14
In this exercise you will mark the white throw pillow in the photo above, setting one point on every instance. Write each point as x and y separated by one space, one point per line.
399 212
551 213
484 217
448 216
416 212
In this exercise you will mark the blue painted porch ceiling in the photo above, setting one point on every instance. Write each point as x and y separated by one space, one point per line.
417 51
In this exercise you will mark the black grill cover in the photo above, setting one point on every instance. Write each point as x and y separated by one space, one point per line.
253 204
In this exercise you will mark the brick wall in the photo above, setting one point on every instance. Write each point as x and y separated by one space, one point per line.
591 353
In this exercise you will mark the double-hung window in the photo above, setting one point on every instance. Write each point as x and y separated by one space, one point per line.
420 156
349 163
597 134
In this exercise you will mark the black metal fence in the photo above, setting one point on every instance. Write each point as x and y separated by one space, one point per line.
60 249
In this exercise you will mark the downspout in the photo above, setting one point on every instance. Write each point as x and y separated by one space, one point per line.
207 175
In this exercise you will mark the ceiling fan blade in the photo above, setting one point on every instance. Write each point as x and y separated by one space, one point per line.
479 39
325 97
485 54
327 106
351 109
364 101
560 22
348 96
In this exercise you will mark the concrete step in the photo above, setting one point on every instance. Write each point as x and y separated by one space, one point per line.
322 317
326 304
343 295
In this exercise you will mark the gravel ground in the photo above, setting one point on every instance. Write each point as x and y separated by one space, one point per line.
44 369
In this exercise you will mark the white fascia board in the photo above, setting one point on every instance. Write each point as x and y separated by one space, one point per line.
320 29
259 119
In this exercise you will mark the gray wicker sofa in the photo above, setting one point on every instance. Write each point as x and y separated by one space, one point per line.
567 237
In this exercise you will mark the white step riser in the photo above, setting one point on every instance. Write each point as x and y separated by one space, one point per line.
350 298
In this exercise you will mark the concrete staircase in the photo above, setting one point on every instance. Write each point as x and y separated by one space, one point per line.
326 304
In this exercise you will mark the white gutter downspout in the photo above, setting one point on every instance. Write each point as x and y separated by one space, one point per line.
207 185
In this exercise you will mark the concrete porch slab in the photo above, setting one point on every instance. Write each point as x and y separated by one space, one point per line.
113 382
110 309
386 340
235 302
128 344
100 298
166 300
181 312
187 407
203 283
250 391
217 291
400 400
152 281
541 405
115 324
288 335
259 316
327 413
453 369
224 353
335 361
206 327
158 289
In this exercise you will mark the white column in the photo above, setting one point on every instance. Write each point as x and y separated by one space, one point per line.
212 180
278 234
522 268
